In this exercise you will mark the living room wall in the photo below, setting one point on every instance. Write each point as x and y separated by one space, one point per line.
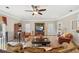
32 23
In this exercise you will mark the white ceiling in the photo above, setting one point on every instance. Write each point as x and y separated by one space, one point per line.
52 11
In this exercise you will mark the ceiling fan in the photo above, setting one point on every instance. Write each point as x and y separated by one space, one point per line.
36 10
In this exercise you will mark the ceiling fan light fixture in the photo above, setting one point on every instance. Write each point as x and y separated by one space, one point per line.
35 12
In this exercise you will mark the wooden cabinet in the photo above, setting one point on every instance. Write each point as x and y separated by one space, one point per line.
17 29
4 20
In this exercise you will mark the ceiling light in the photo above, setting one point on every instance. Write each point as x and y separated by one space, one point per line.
35 12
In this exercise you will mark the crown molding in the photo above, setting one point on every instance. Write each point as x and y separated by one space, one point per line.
71 13
3 13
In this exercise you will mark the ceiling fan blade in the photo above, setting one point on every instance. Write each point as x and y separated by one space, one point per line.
42 10
40 13
33 6
28 10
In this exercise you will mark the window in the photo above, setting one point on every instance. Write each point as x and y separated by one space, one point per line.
27 28
51 29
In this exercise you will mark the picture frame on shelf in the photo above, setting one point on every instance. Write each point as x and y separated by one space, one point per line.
77 26
74 24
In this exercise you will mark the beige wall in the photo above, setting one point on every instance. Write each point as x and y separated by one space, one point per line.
66 23
0 19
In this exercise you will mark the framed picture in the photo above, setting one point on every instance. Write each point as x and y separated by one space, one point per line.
77 26
74 25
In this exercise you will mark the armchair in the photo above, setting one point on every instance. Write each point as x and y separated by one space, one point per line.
65 38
